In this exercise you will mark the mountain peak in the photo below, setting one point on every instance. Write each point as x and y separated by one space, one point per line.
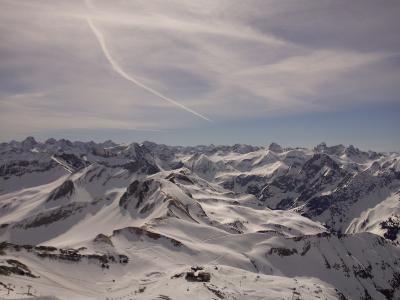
275 147
331 150
29 143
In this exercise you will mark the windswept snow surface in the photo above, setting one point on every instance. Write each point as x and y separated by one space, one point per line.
140 221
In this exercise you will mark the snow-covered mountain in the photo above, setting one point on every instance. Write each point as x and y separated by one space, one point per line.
85 220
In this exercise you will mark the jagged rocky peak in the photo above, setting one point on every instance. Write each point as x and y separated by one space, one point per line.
137 151
319 160
108 143
375 167
165 152
353 151
374 155
243 148
113 150
331 150
51 141
275 147
357 155
29 143
202 165
320 147
207 149
65 143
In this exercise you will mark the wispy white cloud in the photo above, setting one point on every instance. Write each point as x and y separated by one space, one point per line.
120 71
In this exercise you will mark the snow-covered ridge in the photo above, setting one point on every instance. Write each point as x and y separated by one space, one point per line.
262 222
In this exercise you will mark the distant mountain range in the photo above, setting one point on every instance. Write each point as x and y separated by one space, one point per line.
86 220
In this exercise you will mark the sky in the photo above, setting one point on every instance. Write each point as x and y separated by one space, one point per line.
296 72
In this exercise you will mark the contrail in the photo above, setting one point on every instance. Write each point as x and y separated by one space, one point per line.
100 38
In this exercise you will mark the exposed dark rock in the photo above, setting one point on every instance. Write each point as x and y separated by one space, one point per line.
29 143
71 160
66 189
215 291
388 293
275 147
282 251
318 205
179 275
392 227
341 295
141 166
101 238
46 248
244 179
395 281
198 276
362 272
176 165
15 267
285 203
137 190
173 177
123 259
306 248
21 167
51 216
140 290
143 232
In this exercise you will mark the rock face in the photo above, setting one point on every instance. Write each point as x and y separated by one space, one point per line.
63 191
106 220
137 192
275 148
198 276
391 227
296 188
14 267
71 160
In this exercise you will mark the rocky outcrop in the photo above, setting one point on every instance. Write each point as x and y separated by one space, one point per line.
137 192
66 189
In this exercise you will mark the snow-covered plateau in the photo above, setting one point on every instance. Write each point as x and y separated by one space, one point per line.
86 220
